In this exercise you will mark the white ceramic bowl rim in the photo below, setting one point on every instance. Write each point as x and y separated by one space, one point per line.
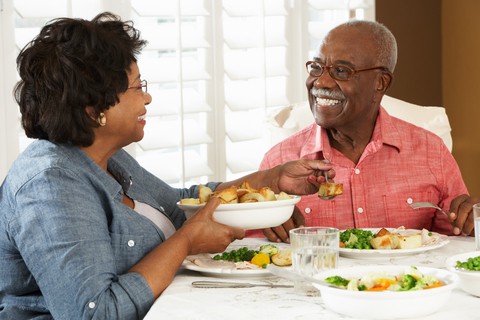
244 205
449 278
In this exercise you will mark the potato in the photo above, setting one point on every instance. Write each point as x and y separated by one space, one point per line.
282 258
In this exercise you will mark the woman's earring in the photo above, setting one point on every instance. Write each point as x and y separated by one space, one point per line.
102 119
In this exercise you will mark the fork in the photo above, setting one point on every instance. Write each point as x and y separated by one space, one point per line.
223 284
418 205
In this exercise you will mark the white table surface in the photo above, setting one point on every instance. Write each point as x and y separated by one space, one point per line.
182 301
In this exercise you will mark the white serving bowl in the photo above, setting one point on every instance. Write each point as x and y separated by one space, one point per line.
385 304
469 280
250 215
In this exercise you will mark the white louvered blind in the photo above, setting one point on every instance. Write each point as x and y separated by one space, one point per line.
215 70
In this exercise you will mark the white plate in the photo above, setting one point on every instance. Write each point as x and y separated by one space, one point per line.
252 215
375 253
226 273
232 273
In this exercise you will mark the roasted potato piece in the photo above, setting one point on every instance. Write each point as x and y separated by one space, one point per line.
228 195
282 258
204 193
283 196
252 197
330 189
386 242
267 194
190 201
410 242
382 232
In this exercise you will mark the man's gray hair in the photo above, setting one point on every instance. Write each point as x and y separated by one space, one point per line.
384 40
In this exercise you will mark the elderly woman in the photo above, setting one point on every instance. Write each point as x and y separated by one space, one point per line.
85 231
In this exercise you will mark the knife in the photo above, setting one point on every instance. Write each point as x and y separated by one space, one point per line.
224 284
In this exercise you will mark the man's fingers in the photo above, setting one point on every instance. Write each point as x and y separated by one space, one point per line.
271 235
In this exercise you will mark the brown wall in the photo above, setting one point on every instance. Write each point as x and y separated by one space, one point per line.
439 64
461 83
418 75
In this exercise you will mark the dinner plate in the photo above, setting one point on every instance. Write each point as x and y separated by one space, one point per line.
230 273
384 253
227 273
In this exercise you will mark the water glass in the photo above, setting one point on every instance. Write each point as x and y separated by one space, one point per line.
476 217
314 249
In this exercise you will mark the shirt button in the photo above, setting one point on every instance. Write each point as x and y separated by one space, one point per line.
91 305
409 200
308 210
357 171
360 210
131 243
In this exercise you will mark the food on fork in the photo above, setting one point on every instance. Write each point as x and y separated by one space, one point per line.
330 189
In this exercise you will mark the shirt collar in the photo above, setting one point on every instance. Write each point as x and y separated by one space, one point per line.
384 133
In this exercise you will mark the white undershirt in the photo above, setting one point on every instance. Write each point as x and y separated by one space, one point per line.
156 217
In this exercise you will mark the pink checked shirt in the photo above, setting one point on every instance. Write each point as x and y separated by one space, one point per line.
402 164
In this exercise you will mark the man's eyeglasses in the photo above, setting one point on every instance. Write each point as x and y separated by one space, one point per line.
337 72
142 86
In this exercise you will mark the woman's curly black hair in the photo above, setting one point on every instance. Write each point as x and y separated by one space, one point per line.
72 64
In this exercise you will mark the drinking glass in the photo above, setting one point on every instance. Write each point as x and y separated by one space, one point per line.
314 249
476 217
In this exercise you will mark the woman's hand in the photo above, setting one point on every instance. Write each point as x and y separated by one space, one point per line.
206 235
302 176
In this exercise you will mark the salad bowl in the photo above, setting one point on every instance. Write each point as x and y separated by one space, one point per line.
386 304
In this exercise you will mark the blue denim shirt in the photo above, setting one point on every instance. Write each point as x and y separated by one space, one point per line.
67 241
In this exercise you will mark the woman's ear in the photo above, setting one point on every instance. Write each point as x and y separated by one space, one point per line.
90 111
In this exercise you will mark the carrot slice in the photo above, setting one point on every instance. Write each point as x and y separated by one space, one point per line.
435 285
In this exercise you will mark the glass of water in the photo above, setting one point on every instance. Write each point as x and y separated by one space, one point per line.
314 249
476 217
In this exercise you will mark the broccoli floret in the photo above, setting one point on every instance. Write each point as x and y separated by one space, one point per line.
337 281
269 249
408 282
426 281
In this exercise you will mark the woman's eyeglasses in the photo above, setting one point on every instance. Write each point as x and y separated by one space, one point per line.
142 86
337 72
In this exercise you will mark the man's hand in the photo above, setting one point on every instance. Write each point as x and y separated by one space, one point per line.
281 233
461 214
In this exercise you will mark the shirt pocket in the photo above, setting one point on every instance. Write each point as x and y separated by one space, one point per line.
398 211
127 250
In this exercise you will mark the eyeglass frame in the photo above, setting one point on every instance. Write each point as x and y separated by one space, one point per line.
329 68
143 84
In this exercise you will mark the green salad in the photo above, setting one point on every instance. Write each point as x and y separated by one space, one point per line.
409 280
356 239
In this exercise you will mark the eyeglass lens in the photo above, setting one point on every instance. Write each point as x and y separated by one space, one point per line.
336 72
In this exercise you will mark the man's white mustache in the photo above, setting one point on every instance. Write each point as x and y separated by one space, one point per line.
326 94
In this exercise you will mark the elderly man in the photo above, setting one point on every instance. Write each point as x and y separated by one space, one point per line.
384 163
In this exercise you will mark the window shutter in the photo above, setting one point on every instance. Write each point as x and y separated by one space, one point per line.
215 69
